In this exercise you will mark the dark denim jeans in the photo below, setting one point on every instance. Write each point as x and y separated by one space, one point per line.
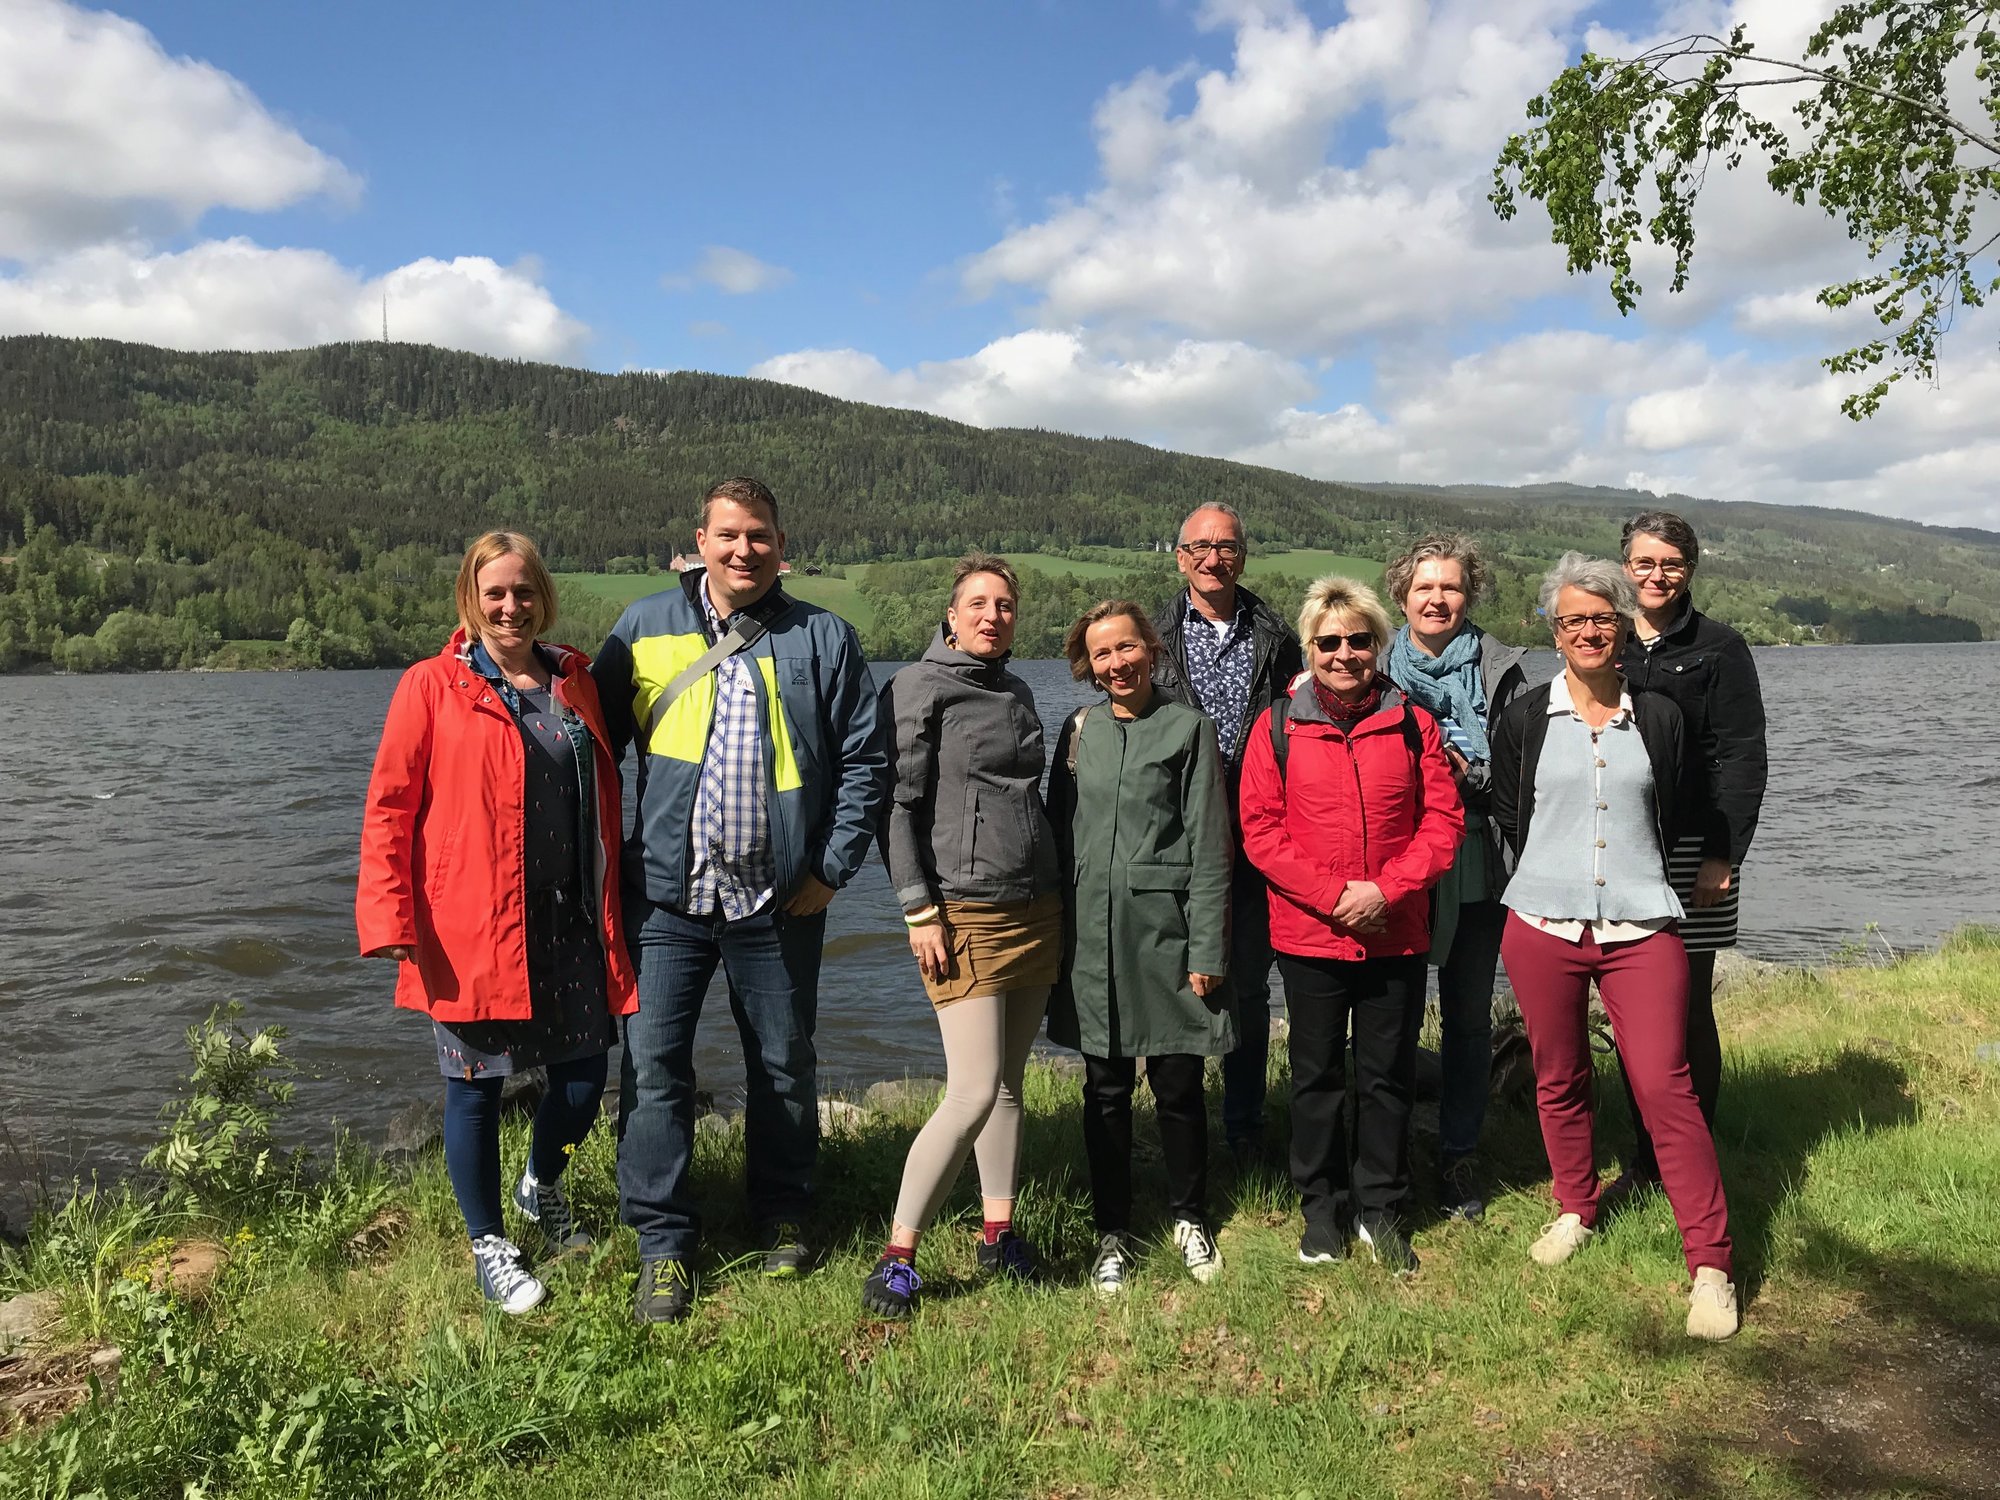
772 961
1465 1026
1246 1069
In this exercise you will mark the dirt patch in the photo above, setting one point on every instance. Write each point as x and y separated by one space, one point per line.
1885 1413
38 1389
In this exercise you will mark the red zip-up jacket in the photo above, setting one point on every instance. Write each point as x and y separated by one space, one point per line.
1355 806
442 865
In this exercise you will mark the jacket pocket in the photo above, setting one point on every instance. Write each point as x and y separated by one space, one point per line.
1157 877
437 860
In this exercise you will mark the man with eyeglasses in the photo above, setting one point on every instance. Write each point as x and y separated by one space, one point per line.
1230 655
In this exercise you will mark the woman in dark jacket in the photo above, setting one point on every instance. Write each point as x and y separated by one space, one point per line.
1706 668
1351 830
1137 799
1588 779
1464 677
489 868
973 860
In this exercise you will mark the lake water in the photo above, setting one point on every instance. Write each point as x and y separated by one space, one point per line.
171 842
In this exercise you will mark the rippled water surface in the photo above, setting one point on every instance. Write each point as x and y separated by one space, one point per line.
170 842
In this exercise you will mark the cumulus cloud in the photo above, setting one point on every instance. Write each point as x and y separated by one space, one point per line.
234 294
102 134
734 272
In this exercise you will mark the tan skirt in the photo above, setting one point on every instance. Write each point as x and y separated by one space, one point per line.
999 948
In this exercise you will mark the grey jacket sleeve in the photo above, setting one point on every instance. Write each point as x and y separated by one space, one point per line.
909 711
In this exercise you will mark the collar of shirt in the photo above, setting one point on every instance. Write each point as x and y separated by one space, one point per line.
1225 630
1560 701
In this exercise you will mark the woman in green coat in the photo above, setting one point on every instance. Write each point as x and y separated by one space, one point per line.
1136 797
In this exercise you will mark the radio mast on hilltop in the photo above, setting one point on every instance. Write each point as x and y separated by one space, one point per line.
385 317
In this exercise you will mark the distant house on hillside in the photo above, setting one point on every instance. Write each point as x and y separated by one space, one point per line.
685 561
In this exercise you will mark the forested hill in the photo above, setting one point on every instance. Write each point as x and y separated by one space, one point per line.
308 495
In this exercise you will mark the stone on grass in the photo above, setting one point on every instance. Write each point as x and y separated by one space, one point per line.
897 1096
414 1129
838 1117
191 1269
28 1319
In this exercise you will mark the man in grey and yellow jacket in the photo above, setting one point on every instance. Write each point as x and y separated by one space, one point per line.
760 774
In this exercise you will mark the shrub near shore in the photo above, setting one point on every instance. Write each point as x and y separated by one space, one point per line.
342 1351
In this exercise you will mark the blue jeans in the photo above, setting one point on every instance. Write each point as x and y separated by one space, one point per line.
772 961
1465 1026
1245 1070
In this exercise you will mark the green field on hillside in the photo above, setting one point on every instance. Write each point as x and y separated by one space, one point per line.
837 594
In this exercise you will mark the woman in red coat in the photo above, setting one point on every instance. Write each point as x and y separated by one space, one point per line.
1351 830
489 869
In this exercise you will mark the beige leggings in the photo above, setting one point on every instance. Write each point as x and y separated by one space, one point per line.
986 1044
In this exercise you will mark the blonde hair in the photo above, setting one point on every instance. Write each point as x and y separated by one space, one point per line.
1334 595
490 548
1078 650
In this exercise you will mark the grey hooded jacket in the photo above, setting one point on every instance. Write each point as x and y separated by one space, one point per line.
965 819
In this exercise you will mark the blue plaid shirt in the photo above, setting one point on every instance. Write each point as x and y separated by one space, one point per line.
734 868
1219 663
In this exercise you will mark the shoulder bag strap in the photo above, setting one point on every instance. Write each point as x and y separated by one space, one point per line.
746 632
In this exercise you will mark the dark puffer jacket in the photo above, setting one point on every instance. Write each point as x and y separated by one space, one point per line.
1706 669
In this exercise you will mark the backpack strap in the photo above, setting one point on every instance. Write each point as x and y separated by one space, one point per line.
1075 733
1281 744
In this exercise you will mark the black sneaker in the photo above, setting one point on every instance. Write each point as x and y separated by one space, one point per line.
1010 1256
1459 1193
787 1255
891 1288
1322 1243
665 1293
1390 1246
1246 1156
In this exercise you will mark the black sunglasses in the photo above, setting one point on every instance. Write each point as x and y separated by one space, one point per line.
1361 640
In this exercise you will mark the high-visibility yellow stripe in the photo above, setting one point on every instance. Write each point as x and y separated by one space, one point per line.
682 733
785 762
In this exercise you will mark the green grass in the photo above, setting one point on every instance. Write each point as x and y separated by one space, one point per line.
1856 1133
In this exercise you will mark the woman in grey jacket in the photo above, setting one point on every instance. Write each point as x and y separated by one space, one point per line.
973 860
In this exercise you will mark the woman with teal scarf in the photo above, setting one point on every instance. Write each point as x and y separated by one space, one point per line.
1464 677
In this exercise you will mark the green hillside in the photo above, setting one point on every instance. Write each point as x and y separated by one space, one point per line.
157 506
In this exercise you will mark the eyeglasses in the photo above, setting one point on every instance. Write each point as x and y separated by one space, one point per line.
1361 640
1571 624
1646 567
1199 550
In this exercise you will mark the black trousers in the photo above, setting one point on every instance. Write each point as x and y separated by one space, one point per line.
1381 1001
1704 1049
1175 1080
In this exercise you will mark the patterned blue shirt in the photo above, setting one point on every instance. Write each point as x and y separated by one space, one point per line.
734 868
1220 659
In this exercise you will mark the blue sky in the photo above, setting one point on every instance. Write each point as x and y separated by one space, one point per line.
1254 228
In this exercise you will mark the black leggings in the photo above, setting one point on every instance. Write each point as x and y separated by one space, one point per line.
1175 1080
472 1134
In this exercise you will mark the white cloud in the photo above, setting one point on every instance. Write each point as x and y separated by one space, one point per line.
734 272
103 134
234 294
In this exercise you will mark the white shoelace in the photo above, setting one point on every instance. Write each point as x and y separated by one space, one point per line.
502 1260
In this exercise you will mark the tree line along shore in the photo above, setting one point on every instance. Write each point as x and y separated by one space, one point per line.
249 1321
303 509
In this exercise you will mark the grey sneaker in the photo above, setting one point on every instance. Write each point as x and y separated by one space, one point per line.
1112 1265
1459 1192
504 1276
1198 1252
665 1293
786 1255
548 1206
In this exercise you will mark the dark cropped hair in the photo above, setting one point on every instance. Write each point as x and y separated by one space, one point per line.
1669 528
1079 653
984 562
744 491
1445 546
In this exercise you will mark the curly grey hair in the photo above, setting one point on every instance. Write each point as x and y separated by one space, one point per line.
1594 575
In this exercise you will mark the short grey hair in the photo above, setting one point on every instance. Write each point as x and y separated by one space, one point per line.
1444 546
1221 507
1594 575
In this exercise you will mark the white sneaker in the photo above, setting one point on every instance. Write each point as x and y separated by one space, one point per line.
1560 1240
1712 1310
548 1206
1113 1264
1204 1261
504 1276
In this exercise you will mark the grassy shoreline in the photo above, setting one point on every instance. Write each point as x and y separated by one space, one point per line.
343 1351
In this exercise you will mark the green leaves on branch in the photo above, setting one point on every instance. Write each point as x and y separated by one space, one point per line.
1880 140
218 1153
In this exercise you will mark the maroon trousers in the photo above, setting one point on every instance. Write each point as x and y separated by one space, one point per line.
1644 985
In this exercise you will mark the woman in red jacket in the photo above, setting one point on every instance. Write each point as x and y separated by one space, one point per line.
489 869
1350 810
